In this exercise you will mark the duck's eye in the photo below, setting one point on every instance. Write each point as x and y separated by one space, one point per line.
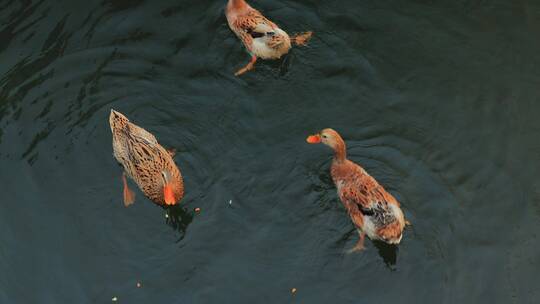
324 136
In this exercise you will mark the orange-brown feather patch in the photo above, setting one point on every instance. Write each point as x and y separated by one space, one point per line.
391 231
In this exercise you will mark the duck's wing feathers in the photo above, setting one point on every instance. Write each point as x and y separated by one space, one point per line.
261 29
143 146
254 22
141 134
253 25
370 198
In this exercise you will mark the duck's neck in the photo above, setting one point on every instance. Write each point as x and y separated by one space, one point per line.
237 4
340 151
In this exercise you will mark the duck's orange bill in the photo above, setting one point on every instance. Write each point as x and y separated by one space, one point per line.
169 195
314 139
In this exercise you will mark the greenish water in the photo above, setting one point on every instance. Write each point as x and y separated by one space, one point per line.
438 100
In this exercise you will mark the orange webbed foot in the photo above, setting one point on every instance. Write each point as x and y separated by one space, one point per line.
359 245
248 67
129 195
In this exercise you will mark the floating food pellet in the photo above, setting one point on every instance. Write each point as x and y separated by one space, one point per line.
293 290
197 209
139 284
166 215
114 299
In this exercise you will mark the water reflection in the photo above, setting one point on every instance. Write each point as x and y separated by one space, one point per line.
25 11
178 218
441 99
387 252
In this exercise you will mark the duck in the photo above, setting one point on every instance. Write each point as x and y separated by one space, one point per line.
146 162
261 37
373 210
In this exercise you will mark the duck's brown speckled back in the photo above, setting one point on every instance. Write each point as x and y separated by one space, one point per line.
144 159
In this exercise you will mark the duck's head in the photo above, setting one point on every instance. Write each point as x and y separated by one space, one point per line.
330 138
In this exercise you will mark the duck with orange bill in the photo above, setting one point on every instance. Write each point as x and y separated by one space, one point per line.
146 162
372 209
261 37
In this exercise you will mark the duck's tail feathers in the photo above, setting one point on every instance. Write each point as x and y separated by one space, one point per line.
117 120
302 38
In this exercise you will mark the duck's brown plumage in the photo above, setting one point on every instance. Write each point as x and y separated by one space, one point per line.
372 209
145 160
261 37
250 25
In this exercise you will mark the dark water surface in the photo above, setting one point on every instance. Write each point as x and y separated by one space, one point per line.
438 100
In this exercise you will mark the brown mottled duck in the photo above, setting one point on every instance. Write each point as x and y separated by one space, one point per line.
146 162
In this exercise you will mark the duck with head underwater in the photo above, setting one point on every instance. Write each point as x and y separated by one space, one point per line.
146 162
372 209
261 37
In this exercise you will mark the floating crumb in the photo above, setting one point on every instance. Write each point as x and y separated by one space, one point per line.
114 299
293 290
139 284
230 202
166 215
197 209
